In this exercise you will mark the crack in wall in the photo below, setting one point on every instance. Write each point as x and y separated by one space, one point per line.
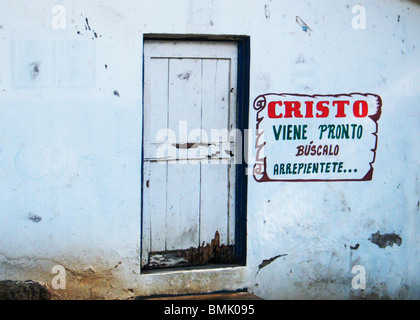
266 262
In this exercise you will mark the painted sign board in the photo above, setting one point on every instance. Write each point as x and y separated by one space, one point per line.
316 137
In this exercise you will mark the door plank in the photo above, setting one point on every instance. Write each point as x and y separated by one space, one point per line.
156 98
214 204
189 49
146 241
236 149
156 187
215 116
215 98
184 97
183 189
183 206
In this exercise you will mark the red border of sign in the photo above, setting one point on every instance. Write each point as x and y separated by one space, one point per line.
260 165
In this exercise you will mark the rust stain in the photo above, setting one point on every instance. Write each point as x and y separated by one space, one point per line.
210 253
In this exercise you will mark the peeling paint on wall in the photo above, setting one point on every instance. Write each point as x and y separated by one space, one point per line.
34 217
303 25
266 262
34 69
385 240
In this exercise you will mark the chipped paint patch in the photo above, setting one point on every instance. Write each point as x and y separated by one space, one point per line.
34 69
189 145
385 240
303 25
33 217
267 11
266 262
89 29
355 247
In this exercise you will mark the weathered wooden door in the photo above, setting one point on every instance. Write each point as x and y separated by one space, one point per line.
188 212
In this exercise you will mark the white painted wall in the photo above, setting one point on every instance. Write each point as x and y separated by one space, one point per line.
70 146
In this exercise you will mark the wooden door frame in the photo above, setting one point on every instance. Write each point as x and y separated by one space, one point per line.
242 112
